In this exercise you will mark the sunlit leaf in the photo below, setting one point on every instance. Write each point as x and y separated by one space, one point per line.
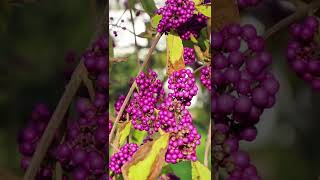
175 60
174 53
175 47
196 2
149 6
138 136
200 172
124 133
155 20
147 162
204 9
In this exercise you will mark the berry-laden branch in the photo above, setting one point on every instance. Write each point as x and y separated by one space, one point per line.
145 62
89 85
288 20
62 107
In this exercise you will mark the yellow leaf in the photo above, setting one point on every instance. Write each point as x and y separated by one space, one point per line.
200 172
147 162
175 47
175 60
204 9
155 20
196 2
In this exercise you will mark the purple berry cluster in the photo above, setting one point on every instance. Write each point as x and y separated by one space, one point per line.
173 117
192 27
227 154
117 107
95 60
302 51
29 137
174 14
242 86
150 110
183 85
183 143
141 108
83 152
242 4
122 156
172 113
188 55
205 77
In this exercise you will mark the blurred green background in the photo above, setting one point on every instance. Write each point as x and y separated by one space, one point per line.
35 37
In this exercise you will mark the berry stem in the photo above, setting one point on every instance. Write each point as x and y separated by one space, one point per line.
58 171
62 107
208 145
118 59
290 19
89 85
199 68
145 62
135 37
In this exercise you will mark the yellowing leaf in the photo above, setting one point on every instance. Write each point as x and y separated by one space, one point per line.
196 2
147 162
204 9
199 171
175 47
175 60
124 133
138 136
155 20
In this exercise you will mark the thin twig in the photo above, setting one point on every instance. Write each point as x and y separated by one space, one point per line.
208 145
114 147
118 59
89 85
145 62
121 16
290 19
58 171
62 107
199 68
135 37
117 26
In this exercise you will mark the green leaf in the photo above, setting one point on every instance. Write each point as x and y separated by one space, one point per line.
200 172
196 2
124 133
138 136
175 48
155 20
147 162
149 6
204 9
